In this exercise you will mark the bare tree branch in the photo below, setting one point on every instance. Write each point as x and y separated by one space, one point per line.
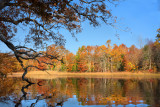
3 3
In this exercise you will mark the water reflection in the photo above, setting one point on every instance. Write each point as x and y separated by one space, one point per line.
76 92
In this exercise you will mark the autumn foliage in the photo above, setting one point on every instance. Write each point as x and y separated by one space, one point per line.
8 64
105 58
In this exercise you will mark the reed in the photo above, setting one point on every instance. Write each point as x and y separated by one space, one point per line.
54 74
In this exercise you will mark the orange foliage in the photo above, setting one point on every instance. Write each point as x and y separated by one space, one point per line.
7 63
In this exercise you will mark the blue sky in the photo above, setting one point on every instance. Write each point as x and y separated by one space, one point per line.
142 17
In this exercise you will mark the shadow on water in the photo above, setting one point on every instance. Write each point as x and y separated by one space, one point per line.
24 96
77 92
15 93
37 98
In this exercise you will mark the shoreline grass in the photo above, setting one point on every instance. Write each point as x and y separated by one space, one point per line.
54 74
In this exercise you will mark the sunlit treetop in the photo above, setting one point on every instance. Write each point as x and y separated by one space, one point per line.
158 35
158 38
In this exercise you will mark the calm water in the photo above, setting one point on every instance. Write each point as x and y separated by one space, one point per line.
80 92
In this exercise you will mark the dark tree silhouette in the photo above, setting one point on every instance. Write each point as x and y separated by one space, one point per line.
44 19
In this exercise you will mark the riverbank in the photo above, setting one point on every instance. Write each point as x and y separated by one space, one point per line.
53 74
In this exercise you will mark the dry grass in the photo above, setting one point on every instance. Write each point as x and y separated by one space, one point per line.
54 74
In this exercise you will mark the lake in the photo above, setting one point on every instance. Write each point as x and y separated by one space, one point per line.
80 92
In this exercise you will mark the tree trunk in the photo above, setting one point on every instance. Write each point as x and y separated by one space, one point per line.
111 64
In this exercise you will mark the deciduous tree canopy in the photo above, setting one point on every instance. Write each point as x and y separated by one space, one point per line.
45 18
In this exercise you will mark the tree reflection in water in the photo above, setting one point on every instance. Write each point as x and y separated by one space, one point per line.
69 92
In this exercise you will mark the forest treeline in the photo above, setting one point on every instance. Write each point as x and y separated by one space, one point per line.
105 58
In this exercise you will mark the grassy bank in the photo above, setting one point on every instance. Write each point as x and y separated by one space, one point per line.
53 74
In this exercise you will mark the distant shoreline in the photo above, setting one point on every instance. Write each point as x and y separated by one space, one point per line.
54 74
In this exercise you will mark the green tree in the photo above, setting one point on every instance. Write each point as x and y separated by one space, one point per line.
147 56
156 51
